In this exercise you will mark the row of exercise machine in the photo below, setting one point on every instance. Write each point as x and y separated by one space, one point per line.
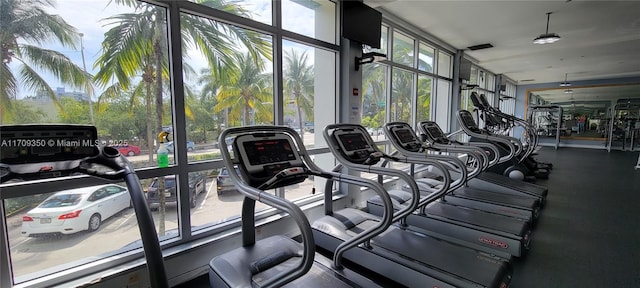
453 225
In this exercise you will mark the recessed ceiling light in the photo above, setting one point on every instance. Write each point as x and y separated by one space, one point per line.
480 47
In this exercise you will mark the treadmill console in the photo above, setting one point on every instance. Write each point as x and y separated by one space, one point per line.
355 145
263 156
25 144
433 131
468 121
404 135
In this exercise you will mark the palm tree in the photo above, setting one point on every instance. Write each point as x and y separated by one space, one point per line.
373 91
26 26
424 98
245 91
207 100
136 47
402 85
298 83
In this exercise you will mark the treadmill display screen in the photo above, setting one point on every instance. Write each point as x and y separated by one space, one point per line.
353 142
21 144
268 151
435 132
405 136
468 121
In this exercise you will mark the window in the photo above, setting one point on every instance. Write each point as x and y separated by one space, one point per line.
445 65
228 82
258 10
402 83
214 198
374 102
425 58
403 49
57 230
312 18
424 98
307 92
443 104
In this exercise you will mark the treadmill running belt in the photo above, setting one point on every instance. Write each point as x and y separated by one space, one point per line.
495 197
478 218
520 185
441 255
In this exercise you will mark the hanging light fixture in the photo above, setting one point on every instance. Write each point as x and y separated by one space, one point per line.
565 83
547 38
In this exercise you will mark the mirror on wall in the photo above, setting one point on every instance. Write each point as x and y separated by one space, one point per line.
587 113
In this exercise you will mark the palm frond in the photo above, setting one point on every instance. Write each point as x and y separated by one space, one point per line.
125 47
57 64
33 81
8 90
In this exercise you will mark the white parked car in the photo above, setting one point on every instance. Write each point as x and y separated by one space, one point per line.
75 210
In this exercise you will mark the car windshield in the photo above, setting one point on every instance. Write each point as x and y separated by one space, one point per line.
63 200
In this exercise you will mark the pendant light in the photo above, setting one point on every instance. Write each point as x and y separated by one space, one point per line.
547 38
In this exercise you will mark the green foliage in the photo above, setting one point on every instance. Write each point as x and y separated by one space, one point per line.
26 24
75 112
25 113
22 204
424 98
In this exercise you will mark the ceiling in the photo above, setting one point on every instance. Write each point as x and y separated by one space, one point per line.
600 39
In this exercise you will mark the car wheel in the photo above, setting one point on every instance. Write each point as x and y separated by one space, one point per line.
94 222
190 149
131 153
194 200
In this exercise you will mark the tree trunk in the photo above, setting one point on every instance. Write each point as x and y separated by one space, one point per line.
158 90
150 138
300 124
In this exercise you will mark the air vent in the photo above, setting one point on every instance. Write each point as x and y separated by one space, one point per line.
480 47
527 80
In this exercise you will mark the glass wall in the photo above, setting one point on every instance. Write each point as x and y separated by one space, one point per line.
401 89
112 69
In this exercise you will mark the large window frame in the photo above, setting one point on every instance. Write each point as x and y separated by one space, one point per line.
181 167
436 74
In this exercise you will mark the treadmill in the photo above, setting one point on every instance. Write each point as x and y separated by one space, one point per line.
504 236
270 157
409 258
69 150
519 206
491 181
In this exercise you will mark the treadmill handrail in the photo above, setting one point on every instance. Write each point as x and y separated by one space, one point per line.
419 156
385 221
313 169
255 194
512 148
475 147
415 199
446 182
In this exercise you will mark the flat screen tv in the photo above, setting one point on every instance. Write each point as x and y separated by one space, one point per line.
361 23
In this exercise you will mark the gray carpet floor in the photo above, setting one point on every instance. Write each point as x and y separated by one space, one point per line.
589 231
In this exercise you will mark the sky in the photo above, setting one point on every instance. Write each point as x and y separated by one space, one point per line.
88 16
